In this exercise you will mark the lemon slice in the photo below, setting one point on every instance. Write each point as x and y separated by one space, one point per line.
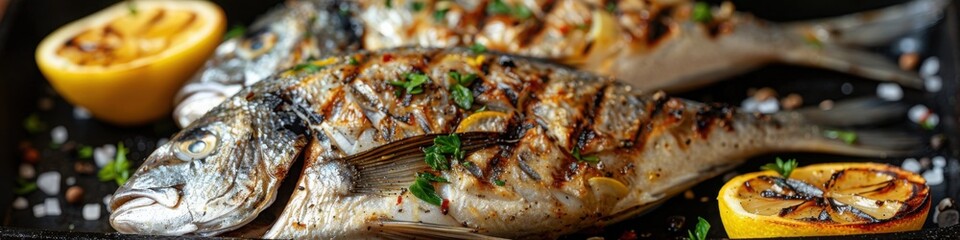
486 121
608 187
824 199
126 62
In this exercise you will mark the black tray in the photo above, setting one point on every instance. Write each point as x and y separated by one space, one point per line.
26 22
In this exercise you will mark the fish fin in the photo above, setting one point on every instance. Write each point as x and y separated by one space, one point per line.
832 43
668 193
388 168
874 27
856 112
835 131
852 61
393 229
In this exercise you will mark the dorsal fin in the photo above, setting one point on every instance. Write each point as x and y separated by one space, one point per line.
388 168
392 229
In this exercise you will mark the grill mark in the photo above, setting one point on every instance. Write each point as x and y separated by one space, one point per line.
586 131
658 27
707 117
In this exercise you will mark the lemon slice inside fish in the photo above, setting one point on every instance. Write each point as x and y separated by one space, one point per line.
126 62
486 121
824 199
608 187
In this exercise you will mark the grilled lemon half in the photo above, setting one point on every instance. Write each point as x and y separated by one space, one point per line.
824 199
126 62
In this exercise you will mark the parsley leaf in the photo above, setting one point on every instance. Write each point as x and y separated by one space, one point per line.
432 178
498 7
389 3
353 61
24 187
117 170
611 7
440 14
499 182
412 85
848 137
443 146
307 67
423 189
701 12
235 31
84 152
416 6
781 167
435 159
477 48
462 96
580 158
701 230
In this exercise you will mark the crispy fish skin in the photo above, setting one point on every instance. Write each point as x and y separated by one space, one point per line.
633 40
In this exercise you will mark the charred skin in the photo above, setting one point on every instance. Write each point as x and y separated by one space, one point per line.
650 143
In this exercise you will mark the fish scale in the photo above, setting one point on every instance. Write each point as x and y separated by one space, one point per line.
342 120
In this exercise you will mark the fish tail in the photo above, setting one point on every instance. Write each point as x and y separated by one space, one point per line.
835 43
839 130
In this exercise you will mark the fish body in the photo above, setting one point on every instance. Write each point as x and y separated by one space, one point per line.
631 40
573 150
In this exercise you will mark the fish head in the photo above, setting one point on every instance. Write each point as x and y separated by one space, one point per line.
276 41
214 176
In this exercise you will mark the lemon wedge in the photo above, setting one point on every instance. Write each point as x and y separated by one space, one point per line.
824 199
486 121
126 62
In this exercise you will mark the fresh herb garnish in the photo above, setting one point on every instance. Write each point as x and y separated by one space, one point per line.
33 124
701 230
416 6
117 170
353 61
701 12
389 3
848 137
498 7
412 84
590 159
307 67
235 31
462 95
611 7
443 146
477 48
432 178
499 182
440 14
423 189
24 187
84 152
784 168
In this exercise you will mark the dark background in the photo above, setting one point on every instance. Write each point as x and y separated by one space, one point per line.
26 22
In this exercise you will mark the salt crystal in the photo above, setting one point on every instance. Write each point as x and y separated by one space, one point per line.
39 211
933 176
20 203
917 113
91 211
103 155
58 135
930 67
81 113
908 45
846 88
911 164
749 105
889 91
769 106
939 162
49 183
71 181
933 83
27 171
52 205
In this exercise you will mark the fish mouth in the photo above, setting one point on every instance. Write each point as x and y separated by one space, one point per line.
151 211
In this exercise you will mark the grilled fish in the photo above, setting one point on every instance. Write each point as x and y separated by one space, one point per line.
632 40
559 150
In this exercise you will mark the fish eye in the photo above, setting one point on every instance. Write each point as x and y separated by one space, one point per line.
257 44
197 146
